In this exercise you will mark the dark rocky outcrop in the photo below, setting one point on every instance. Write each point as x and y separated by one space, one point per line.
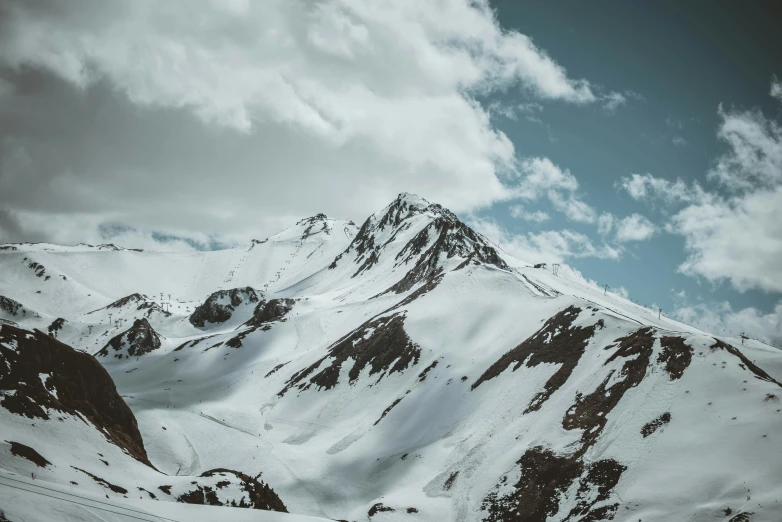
219 306
590 412
76 384
444 237
545 478
380 344
26 452
103 482
758 371
676 356
314 225
379 508
270 311
256 494
12 307
137 301
56 326
652 426
558 342
137 340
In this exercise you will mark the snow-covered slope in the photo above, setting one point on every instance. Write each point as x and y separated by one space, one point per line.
403 370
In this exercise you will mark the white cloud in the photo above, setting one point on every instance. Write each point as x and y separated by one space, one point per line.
737 237
721 319
776 89
305 106
679 141
754 157
613 101
605 223
537 216
573 208
634 228
541 177
739 240
552 246
650 188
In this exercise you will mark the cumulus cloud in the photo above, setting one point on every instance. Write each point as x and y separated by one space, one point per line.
301 106
732 231
613 101
634 228
776 89
720 318
537 216
551 246
605 223
646 187
542 178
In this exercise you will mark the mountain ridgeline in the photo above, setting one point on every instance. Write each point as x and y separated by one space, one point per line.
406 369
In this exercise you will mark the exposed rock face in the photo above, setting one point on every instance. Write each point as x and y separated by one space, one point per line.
557 342
138 302
381 344
317 224
444 237
659 422
545 478
56 326
270 311
219 306
225 487
137 340
676 355
130 300
11 307
590 412
39 374
26 452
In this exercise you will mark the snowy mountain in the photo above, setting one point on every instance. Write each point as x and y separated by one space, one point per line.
406 369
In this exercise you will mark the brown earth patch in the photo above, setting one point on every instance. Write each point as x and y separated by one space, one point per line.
56 326
82 387
385 412
676 355
26 452
545 478
557 342
275 369
103 482
381 344
590 412
422 376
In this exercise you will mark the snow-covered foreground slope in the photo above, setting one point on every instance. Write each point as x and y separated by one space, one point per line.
403 370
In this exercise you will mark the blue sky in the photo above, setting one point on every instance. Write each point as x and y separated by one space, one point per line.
638 142
676 63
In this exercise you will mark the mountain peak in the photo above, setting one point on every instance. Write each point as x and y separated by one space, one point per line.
426 237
